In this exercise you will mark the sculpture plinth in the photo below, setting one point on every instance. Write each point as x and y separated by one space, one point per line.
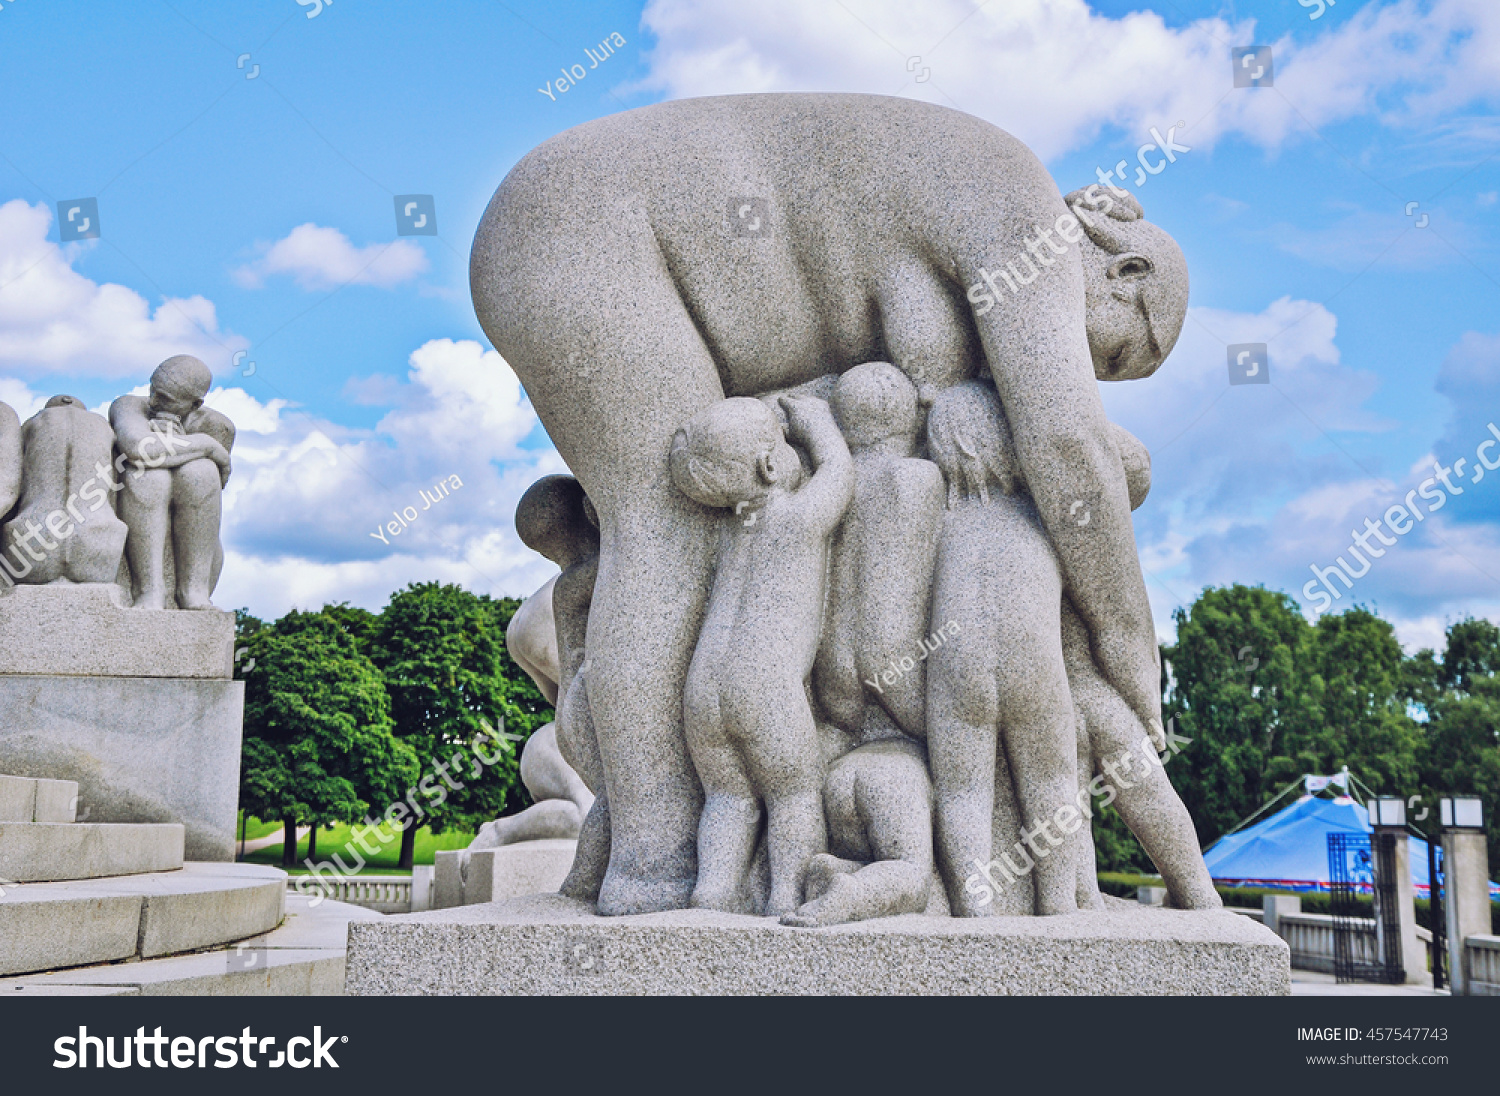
547 944
137 707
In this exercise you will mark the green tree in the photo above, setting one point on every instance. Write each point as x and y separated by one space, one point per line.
451 682
1460 697
1237 687
1361 718
318 743
361 624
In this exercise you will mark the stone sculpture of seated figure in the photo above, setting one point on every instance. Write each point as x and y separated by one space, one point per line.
171 497
64 524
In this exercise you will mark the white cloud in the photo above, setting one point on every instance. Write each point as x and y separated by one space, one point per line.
1055 72
323 258
307 495
1257 483
54 320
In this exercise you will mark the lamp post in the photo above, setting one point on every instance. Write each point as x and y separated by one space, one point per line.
1466 871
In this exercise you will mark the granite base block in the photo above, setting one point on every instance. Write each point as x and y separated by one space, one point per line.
89 630
551 945
508 871
150 749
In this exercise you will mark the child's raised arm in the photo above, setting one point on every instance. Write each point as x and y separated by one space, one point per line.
828 493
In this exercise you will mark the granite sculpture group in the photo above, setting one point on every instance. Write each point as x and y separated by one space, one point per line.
133 500
108 527
850 620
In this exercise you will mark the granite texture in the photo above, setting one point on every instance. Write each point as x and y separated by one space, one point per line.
697 214
140 749
65 528
548 944
532 867
875 638
214 904
41 853
91 631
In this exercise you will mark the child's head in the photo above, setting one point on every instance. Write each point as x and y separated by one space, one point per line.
873 402
731 452
1137 460
555 518
179 385
968 437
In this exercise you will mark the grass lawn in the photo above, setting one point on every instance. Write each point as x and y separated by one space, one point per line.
334 841
255 828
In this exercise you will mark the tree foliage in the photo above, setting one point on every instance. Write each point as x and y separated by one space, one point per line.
319 745
1265 696
452 684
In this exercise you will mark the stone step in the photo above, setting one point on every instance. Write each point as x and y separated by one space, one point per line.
48 926
24 799
32 852
304 957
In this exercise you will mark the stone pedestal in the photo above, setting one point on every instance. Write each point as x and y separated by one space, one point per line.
137 707
549 945
510 871
1467 901
1275 906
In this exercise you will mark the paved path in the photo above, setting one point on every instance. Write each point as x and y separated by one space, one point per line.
276 837
1307 983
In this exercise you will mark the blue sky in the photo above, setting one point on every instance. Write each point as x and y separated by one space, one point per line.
246 208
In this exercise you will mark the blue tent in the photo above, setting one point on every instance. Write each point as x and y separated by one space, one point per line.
1289 850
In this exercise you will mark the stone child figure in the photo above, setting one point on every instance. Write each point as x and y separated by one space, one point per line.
555 518
878 799
997 694
750 729
883 555
1116 753
172 497
65 522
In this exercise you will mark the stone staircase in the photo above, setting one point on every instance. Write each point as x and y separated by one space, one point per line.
75 895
